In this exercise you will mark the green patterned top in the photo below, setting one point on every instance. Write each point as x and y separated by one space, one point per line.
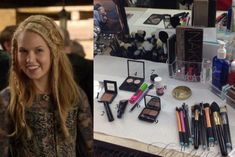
47 139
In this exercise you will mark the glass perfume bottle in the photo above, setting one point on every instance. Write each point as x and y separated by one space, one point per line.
206 71
220 68
159 87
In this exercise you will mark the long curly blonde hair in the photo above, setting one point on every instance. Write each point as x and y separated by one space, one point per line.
64 89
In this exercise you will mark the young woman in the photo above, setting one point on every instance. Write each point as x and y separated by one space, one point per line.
43 112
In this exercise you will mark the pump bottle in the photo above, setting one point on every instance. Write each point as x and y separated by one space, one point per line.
220 68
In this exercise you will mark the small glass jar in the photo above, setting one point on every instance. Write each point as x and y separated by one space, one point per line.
158 85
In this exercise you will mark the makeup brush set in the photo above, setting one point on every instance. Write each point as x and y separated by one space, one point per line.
209 127
138 46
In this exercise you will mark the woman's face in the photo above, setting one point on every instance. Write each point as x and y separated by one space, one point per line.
33 56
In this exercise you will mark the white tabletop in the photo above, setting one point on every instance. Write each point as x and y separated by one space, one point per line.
130 127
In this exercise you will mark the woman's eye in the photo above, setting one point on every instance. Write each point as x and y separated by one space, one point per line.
39 50
22 51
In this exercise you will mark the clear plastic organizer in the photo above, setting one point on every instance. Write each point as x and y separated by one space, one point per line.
191 71
230 96
201 72
227 93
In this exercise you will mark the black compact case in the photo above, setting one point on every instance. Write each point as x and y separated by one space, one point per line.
132 83
151 110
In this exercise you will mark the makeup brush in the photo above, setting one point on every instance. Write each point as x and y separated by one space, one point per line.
213 128
203 127
196 126
186 120
209 130
218 127
182 122
192 123
227 135
179 128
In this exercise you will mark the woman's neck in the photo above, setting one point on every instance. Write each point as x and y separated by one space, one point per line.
41 87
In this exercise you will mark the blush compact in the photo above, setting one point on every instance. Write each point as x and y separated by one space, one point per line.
110 92
136 76
151 110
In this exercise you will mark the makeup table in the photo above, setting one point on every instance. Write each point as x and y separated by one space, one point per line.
148 137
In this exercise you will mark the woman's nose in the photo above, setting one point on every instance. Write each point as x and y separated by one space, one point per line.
30 57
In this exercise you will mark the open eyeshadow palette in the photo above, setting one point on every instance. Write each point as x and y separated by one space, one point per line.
136 76
151 110
110 92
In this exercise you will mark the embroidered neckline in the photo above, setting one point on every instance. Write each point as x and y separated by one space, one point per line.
43 97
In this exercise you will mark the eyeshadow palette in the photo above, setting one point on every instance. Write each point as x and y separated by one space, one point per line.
110 91
151 110
133 82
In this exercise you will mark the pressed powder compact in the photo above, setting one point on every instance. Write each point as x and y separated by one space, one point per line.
132 83
110 91
151 110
